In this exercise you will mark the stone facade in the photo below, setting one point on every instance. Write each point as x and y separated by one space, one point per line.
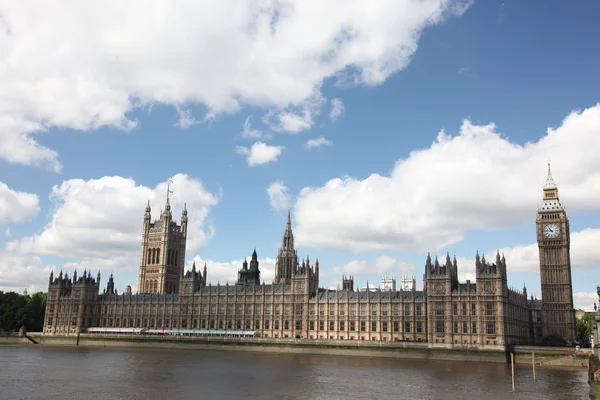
445 313
162 255
553 237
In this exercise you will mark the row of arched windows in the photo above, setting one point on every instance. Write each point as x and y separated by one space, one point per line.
151 286
154 256
172 256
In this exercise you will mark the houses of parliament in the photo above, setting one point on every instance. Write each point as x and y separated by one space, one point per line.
445 313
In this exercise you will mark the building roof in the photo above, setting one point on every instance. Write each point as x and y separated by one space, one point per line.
324 295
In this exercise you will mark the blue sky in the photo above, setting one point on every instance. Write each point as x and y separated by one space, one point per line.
114 99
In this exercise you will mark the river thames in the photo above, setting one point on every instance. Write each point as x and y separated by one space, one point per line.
132 374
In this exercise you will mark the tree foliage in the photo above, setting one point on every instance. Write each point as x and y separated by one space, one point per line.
22 310
554 340
583 328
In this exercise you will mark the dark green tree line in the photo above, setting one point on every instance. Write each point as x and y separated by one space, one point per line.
583 329
18 310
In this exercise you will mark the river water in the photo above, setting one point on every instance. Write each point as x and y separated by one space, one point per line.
148 374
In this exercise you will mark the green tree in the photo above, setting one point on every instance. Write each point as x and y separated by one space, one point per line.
22 310
583 329
554 340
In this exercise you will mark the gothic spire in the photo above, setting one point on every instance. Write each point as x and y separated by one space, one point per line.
288 235
549 180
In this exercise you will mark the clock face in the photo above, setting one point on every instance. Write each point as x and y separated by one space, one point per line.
551 231
438 287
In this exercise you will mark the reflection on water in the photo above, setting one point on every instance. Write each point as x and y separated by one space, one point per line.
79 373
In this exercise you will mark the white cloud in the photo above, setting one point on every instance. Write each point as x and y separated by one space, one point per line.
296 119
279 196
585 301
260 153
16 207
585 253
185 118
317 143
223 272
18 147
101 218
475 180
85 67
26 271
21 271
248 132
7 232
337 109
381 265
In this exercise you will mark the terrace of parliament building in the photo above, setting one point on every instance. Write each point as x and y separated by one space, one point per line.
446 313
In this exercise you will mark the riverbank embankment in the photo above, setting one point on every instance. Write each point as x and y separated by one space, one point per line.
543 356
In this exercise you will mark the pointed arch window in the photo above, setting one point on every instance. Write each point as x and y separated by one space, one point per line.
158 256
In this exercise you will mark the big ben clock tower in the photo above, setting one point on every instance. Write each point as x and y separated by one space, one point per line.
554 242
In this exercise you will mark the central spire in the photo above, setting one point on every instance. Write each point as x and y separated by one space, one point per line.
288 226
288 235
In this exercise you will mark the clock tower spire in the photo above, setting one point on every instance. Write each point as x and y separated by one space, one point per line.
554 242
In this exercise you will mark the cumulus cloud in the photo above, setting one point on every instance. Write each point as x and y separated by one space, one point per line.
223 272
337 109
17 145
279 196
260 153
101 218
21 271
16 207
317 143
585 253
477 179
382 265
103 60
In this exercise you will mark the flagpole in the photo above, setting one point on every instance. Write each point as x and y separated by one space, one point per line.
169 180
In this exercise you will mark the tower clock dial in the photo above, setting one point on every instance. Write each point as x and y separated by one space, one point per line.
551 231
